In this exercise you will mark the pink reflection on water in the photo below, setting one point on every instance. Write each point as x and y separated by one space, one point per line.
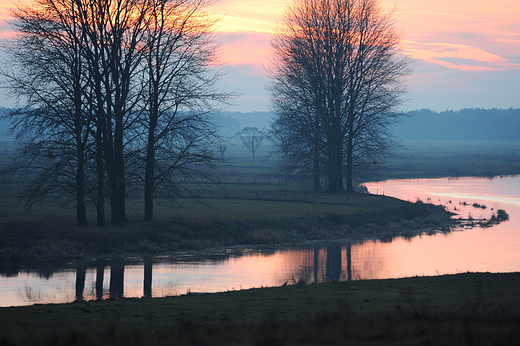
494 249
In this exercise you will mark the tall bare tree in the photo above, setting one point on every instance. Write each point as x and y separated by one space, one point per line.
341 58
51 125
181 94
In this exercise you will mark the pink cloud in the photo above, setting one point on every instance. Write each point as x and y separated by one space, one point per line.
457 56
464 35
251 48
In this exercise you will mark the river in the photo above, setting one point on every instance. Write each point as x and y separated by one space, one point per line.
491 249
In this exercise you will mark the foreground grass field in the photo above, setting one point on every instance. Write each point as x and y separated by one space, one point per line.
464 309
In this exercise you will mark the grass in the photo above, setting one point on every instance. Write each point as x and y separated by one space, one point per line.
463 309
445 159
207 223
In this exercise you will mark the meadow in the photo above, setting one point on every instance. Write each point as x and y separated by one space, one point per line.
462 309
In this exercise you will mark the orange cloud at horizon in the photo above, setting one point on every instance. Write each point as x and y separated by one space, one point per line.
248 15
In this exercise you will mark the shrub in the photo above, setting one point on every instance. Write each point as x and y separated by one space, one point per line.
265 236
501 215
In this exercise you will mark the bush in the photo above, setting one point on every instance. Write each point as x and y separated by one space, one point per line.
266 236
501 215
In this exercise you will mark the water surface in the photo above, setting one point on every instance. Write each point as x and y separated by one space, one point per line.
493 249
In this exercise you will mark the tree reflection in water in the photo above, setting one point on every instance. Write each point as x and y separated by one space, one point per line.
147 277
332 267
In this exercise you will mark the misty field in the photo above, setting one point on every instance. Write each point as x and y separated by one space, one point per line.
251 203
268 192
455 159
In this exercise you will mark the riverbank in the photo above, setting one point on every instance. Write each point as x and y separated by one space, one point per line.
249 206
462 309
217 223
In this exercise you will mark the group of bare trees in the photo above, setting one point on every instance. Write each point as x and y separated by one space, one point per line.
335 87
114 95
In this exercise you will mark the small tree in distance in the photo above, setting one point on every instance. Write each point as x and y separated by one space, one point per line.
251 137
222 149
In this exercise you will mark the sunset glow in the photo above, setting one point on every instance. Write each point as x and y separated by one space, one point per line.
478 41
473 33
462 48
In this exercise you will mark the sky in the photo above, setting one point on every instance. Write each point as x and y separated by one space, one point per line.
466 52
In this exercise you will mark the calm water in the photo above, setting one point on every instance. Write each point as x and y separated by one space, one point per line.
495 249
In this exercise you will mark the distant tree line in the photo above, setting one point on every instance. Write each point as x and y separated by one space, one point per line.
114 95
469 124
335 88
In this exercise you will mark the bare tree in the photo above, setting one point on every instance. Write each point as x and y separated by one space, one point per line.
222 149
297 135
338 61
115 32
297 100
251 138
47 70
181 93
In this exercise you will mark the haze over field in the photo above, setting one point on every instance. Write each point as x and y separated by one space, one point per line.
422 125
467 53
419 125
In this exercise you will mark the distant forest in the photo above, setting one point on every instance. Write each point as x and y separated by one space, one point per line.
473 124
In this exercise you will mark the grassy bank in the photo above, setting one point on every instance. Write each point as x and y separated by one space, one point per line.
464 309
250 205
199 224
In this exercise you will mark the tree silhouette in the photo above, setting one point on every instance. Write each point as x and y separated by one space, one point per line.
251 138
335 86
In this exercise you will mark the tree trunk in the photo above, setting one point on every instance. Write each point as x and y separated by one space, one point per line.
316 170
350 184
149 174
120 167
336 163
81 209
350 151
112 172
100 195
